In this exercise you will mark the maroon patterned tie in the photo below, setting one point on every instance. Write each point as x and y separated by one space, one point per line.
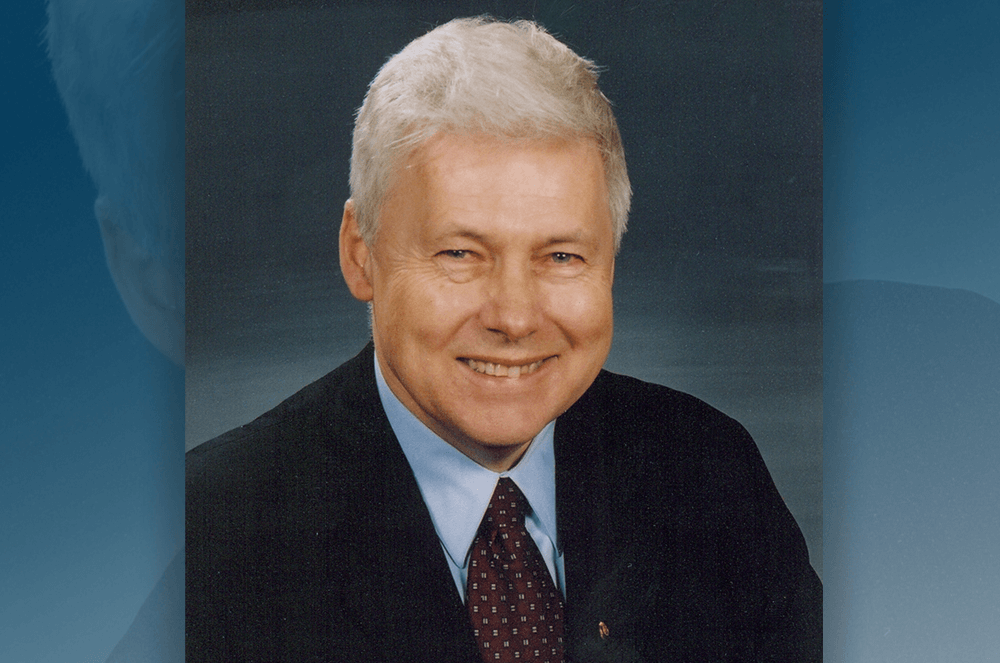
516 610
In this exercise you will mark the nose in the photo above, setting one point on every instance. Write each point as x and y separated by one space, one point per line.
512 307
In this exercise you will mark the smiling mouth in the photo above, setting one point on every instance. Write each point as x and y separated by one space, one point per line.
502 370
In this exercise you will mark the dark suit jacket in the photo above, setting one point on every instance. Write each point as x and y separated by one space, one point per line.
307 538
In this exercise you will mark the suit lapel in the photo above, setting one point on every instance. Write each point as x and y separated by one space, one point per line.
608 574
422 609
582 506
607 577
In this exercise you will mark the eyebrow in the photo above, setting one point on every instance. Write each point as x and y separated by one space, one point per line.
571 238
464 233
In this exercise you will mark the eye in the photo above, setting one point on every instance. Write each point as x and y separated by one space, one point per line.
459 265
562 258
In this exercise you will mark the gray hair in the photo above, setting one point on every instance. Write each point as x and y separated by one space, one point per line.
479 75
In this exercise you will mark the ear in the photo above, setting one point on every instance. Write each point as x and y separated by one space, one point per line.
354 256
153 293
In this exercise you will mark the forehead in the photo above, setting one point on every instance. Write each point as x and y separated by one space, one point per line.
444 152
476 178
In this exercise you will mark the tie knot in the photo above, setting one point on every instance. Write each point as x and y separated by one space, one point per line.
508 506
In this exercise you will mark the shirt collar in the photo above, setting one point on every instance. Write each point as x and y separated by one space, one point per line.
456 489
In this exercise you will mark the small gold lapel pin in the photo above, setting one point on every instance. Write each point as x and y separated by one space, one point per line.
602 628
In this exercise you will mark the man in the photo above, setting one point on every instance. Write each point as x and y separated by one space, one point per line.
370 517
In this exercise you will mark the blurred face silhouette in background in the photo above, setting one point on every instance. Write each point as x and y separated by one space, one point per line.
119 68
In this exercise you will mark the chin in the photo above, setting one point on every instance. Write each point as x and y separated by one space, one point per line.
509 431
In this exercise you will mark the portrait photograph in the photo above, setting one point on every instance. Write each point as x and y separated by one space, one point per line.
716 289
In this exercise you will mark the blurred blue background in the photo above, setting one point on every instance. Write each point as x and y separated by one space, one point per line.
911 416
91 415
912 143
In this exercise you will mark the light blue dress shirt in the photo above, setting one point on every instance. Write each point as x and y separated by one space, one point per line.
457 490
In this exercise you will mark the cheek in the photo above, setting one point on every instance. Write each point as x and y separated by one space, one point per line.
582 313
427 309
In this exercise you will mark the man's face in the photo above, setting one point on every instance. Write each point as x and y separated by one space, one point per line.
490 279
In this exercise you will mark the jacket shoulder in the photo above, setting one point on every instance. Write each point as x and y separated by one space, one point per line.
679 490
313 421
632 412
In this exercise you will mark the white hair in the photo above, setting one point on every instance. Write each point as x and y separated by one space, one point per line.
481 76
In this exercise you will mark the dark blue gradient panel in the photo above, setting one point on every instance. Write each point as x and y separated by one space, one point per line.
912 143
911 331
91 418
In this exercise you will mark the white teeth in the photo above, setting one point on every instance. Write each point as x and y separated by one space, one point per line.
501 370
